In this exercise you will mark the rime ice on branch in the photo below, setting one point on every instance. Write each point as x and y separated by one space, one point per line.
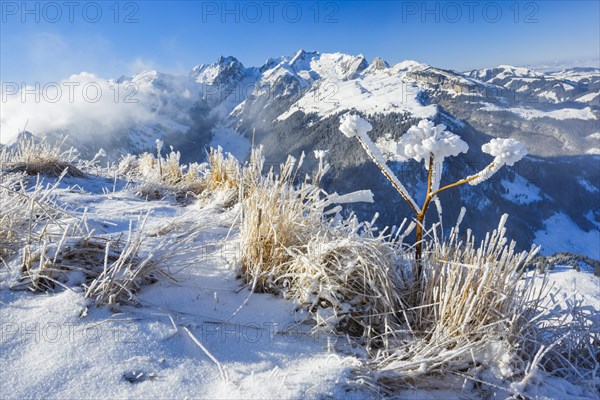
428 142
427 139
505 151
355 126
431 144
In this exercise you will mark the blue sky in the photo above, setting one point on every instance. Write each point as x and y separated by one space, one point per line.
42 42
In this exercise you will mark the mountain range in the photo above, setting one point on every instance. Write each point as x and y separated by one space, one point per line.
292 104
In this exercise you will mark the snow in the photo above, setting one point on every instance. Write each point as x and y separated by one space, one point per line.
320 154
510 70
360 196
353 125
520 191
159 145
576 74
589 98
231 141
378 91
334 66
560 233
594 136
49 349
408 65
419 143
587 185
529 113
547 94
505 151
568 282
425 139
208 73
58 345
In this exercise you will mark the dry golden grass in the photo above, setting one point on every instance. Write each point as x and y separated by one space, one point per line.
276 217
347 282
224 171
341 272
473 312
23 211
470 310
33 156
125 269
113 270
156 176
51 248
46 264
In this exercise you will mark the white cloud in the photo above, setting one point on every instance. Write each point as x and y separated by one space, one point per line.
140 64
82 105
85 106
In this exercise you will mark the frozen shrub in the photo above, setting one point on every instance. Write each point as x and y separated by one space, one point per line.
430 144
23 210
346 278
276 216
39 157
158 175
294 242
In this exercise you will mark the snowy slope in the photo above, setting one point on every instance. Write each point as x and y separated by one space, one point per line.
575 84
560 233
531 113
200 334
78 351
376 91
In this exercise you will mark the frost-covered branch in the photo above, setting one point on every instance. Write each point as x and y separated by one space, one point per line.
355 126
505 152
430 144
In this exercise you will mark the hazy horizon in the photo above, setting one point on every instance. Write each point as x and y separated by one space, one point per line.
50 41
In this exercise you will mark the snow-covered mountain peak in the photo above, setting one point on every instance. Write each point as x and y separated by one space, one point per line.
301 59
338 66
408 65
222 60
224 70
502 72
518 71
301 69
342 82
148 78
310 66
379 63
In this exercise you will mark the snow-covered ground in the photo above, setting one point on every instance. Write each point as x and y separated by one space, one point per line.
520 191
530 113
201 334
228 138
560 233
59 345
